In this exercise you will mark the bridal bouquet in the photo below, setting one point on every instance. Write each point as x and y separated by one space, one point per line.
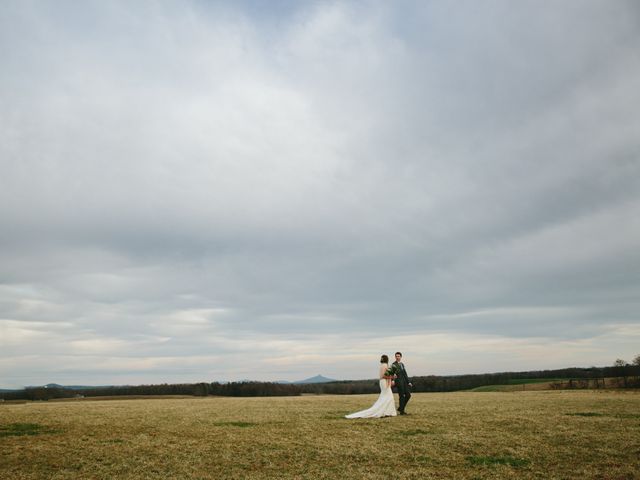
391 371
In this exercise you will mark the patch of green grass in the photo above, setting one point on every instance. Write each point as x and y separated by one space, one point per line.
598 414
334 415
512 385
490 388
410 433
506 460
235 424
421 459
19 429
521 381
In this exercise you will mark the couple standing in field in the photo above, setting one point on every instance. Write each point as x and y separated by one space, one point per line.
389 376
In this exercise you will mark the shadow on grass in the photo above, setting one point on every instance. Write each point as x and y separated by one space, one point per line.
19 429
506 460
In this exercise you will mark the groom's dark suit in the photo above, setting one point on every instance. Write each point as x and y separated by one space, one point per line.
402 384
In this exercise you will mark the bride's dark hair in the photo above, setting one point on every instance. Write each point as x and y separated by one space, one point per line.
384 359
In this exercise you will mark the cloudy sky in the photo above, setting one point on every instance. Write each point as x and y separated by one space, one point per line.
199 191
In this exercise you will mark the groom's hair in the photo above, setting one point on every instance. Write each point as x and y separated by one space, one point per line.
398 353
384 359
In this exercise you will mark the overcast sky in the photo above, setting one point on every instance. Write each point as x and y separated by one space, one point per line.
200 191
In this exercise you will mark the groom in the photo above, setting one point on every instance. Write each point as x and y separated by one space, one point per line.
402 383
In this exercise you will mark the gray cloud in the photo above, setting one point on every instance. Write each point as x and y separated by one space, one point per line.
220 192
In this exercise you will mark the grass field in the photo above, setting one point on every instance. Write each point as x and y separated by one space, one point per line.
519 385
468 435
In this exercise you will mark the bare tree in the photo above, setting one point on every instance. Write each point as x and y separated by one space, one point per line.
621 368
635 371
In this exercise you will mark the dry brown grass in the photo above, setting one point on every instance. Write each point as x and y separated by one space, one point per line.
468 435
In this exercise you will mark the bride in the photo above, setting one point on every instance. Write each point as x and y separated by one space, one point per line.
385 405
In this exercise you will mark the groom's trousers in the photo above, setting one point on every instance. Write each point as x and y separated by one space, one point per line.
405 395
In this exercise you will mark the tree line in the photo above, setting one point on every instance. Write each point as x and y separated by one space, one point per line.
233 389
626 375
621 375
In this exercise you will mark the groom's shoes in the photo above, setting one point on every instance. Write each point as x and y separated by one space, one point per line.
401 412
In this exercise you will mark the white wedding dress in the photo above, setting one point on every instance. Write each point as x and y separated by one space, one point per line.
385 405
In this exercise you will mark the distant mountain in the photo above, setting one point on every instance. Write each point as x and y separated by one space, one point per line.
316 379
48 385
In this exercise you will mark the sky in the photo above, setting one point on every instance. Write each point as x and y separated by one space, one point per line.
217 191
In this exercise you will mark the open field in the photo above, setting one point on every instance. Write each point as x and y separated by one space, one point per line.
468 435
537 384
524 384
